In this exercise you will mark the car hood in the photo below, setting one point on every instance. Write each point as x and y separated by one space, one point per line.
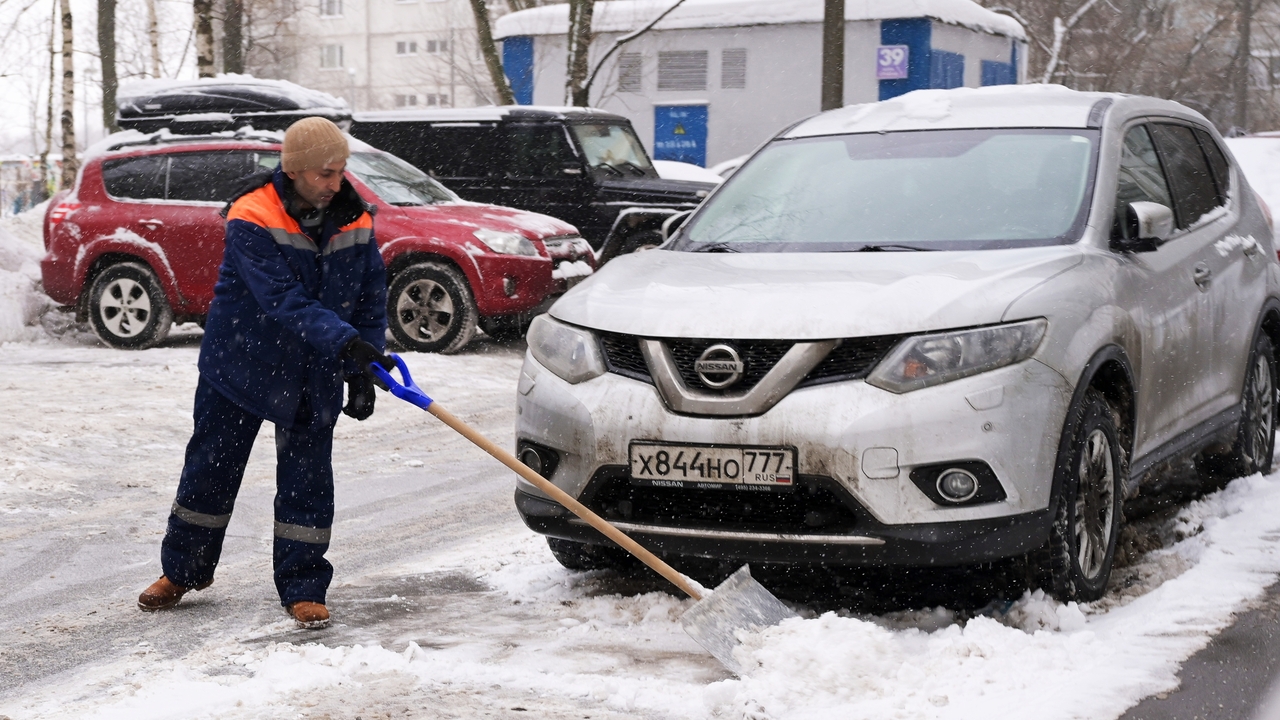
687 190
534 226
806 296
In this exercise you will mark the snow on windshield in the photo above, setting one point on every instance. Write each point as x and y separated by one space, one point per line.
947 189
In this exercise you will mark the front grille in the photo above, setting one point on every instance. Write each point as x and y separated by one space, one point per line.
852 359
812 507
623 357
758 358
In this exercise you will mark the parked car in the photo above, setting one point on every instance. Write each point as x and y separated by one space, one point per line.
952 328
137 243
583 166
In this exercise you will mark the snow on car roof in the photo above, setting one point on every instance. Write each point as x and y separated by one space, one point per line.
996 106
620 16
489 113
303 97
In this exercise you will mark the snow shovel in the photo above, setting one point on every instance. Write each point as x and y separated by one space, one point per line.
739 603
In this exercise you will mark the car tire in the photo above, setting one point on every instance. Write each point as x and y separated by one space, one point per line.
506 328
587 556
430 309
1255 439
1075 563
128 308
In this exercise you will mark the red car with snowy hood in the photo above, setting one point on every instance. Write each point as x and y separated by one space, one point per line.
137 243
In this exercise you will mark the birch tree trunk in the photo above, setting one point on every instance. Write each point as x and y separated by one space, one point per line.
204 37
580 15
153 35
107 54
489 49
48 110
1061 32
69 164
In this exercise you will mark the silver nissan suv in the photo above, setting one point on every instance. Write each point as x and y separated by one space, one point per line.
945 329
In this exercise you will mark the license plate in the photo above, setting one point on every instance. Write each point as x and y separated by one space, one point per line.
712 467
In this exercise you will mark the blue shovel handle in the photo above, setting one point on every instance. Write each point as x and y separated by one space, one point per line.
408 390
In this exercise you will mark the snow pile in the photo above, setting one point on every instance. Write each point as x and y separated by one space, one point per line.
21 302
566 270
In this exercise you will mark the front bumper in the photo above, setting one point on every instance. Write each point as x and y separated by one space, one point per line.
847 436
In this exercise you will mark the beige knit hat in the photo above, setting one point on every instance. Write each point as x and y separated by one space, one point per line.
312 143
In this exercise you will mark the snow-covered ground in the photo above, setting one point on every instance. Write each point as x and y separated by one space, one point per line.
446 606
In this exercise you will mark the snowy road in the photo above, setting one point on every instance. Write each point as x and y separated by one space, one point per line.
446 606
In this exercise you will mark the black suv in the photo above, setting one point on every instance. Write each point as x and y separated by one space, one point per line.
583 166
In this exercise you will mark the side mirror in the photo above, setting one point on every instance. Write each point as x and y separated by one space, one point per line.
1146 225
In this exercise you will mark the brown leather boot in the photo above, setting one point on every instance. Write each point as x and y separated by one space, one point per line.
309 615
164 594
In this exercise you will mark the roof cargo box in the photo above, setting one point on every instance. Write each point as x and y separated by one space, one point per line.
226 102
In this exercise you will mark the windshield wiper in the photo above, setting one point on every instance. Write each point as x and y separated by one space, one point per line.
892 247
610 168
633 167
718 247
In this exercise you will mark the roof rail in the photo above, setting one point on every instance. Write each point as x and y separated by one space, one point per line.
157 138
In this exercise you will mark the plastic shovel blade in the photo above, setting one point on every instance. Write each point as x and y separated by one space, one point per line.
739 603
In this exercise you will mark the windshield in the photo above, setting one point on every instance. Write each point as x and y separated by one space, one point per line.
925 190
613 150
395 181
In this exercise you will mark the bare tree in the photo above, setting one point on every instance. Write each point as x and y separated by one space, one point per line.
107 55
833 55
581 13
205 60
1061 33
48 112
233 36
69 164
1240 72
153 36
617 45
489 49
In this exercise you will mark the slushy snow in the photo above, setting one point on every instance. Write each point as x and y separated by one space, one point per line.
21 300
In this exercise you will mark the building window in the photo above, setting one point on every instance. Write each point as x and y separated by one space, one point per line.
406 101
682 70
330 8
407 47
631 72
330 56
437 47
733 69
436 100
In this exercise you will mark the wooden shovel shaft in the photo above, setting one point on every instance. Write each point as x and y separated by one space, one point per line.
566 500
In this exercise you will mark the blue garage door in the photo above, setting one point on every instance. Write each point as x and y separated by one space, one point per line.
680 133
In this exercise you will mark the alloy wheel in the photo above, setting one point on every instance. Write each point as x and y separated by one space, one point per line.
425 309
1095 503
125 307
1259 410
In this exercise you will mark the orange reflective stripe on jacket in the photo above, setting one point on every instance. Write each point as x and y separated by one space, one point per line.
263 208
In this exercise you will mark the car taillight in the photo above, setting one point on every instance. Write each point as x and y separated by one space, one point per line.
61 211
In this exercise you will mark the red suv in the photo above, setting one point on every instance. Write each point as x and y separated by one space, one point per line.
136 245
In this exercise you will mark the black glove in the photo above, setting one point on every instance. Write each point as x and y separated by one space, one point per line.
363 355
360 397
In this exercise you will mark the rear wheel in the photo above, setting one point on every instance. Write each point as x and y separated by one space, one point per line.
1076 562
1255 440
585 556
127 307
430 308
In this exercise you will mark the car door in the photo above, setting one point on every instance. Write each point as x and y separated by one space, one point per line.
1229 275
200 183
1169 310
543 173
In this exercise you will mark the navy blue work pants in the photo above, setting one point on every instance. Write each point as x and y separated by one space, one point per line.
215 463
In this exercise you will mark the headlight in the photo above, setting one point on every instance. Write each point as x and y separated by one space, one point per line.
507 243
567 351
926 360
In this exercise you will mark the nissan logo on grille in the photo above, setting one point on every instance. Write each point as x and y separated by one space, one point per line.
719 366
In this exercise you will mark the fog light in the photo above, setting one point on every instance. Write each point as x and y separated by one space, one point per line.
530 457
509 286
956 485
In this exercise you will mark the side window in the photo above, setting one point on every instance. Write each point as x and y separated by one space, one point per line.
137 178
1217 163
457 151
1194 192
1141 178
208 176
537 151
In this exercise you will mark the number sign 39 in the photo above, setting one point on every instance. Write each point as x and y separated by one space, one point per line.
891 62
